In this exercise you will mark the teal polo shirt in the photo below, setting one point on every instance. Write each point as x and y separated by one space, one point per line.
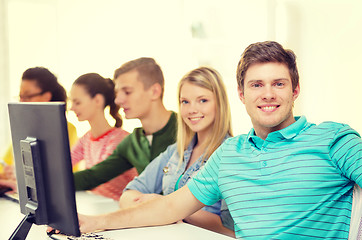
295 184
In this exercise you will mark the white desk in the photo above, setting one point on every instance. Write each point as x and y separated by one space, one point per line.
91 204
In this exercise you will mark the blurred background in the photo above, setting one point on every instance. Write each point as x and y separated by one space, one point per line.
73 37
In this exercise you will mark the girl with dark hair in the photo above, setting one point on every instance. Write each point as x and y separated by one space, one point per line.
38 84
90 95
49 89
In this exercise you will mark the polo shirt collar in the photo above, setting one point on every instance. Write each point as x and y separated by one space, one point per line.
286 133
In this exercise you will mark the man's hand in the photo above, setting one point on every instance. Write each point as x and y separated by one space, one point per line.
89 223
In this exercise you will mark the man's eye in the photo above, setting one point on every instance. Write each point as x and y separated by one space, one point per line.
184 102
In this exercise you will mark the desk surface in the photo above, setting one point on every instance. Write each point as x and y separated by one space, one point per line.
91 204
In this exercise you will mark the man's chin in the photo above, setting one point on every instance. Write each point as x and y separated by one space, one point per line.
271 123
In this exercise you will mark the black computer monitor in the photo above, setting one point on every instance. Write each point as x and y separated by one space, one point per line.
43 167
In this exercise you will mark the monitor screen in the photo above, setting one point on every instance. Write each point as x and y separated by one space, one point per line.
43 166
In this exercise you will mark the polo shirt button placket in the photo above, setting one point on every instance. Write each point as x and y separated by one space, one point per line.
263 162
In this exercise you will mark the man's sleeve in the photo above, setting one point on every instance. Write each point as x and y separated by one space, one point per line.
346 151
104 171
150 180
204 186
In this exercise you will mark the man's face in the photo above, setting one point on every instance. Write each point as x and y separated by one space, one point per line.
268 97
132 97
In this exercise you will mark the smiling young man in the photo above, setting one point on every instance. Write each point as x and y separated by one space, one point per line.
286 179
268 95
139 87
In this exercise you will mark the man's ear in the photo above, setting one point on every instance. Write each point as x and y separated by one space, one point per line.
156 91
241 95
296 92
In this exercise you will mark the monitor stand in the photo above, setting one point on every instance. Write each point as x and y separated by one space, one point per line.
23 228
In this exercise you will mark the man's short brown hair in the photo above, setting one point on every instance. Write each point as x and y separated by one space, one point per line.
264 52
149 72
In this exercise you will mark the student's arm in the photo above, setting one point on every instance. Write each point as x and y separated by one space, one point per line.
201 218
160 211
209 221
131 198
346 152
102 172
128 197
149 182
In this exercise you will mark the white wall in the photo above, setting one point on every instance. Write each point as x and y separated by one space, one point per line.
4 76
73 37
99 37
326 36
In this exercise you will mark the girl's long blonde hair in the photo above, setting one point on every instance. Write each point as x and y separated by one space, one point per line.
210 79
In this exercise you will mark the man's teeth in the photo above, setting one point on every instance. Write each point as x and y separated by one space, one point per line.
268 108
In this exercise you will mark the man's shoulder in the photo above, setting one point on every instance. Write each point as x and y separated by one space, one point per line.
331 125
333 128
240 137
234 141
167 134
170 126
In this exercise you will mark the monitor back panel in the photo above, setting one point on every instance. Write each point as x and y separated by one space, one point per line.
47 123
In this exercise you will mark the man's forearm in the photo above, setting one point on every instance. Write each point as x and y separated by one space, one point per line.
98 174
159 211
209 221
